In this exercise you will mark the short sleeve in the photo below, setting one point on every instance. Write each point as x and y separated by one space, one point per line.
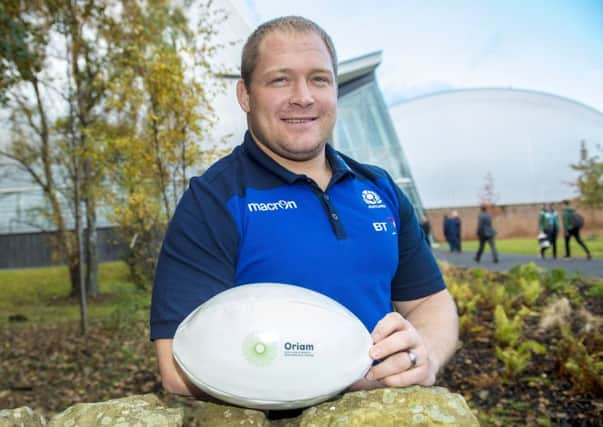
197 258
418 274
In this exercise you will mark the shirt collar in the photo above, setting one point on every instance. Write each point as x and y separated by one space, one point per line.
338 165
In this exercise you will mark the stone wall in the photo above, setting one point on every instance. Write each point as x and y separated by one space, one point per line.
520 220
425 406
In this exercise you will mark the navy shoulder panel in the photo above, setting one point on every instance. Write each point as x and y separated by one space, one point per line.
364 170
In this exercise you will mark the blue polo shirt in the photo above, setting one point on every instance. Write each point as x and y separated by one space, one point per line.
248 219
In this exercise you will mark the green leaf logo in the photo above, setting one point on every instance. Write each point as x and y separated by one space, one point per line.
260 349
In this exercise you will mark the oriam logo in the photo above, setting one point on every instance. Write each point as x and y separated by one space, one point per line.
299 347
296 349
272 206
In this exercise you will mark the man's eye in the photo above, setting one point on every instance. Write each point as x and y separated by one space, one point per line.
278 80
322 80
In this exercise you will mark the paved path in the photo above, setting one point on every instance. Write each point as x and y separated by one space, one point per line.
592 268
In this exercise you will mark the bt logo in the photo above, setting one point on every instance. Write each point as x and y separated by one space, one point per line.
380 226
386 226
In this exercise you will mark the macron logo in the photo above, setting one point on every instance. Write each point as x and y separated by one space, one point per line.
273 206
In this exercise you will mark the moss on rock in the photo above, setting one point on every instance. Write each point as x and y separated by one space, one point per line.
22 416
133 411
391 407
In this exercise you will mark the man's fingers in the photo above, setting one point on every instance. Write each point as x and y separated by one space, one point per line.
395 364
390 323
419 375
394 343
364 384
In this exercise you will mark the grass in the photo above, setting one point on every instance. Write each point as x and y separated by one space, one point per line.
127 364
42 294
530 247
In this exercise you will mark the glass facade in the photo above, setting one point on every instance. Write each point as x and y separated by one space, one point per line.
23 205
366 133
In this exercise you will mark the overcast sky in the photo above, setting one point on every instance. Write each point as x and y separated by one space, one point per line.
553 46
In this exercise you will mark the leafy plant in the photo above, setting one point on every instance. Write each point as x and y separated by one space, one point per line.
582 367
508 331
530 291
515 360
514 352
528 271
496 295
467 301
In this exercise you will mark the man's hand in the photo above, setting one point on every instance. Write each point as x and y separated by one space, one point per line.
397 345
424 330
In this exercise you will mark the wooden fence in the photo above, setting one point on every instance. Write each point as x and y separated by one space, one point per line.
24 250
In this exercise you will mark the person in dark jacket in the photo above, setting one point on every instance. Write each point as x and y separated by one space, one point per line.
572 224
455 232
485 233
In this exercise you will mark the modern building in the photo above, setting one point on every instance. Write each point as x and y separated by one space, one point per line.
365 130
525 140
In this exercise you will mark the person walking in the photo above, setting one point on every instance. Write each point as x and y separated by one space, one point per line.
572 224
548 224
485 233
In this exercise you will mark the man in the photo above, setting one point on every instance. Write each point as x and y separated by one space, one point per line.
485 233
455 222
286 207
572 224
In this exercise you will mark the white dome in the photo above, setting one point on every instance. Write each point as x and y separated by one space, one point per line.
526 140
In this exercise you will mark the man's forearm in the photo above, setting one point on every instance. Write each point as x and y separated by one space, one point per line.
436 320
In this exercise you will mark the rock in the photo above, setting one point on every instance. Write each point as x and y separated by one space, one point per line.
205 414
389 407
133 411
21 417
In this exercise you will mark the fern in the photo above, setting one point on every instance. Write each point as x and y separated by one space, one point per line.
516 360
508 331
531 291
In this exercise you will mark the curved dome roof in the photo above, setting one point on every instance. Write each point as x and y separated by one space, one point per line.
526 140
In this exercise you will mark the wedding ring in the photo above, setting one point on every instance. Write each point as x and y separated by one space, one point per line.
412 356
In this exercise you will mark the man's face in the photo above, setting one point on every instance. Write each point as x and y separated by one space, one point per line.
292 98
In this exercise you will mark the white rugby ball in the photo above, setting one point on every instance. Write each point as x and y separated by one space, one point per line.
272 346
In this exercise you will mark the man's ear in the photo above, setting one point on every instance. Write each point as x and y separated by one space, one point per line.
243 96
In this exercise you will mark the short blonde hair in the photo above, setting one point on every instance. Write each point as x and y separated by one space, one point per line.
250 55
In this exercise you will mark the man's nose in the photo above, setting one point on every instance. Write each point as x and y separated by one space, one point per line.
302 94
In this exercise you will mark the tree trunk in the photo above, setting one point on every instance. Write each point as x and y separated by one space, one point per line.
74 275
90 248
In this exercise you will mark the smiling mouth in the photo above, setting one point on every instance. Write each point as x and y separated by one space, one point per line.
299 120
